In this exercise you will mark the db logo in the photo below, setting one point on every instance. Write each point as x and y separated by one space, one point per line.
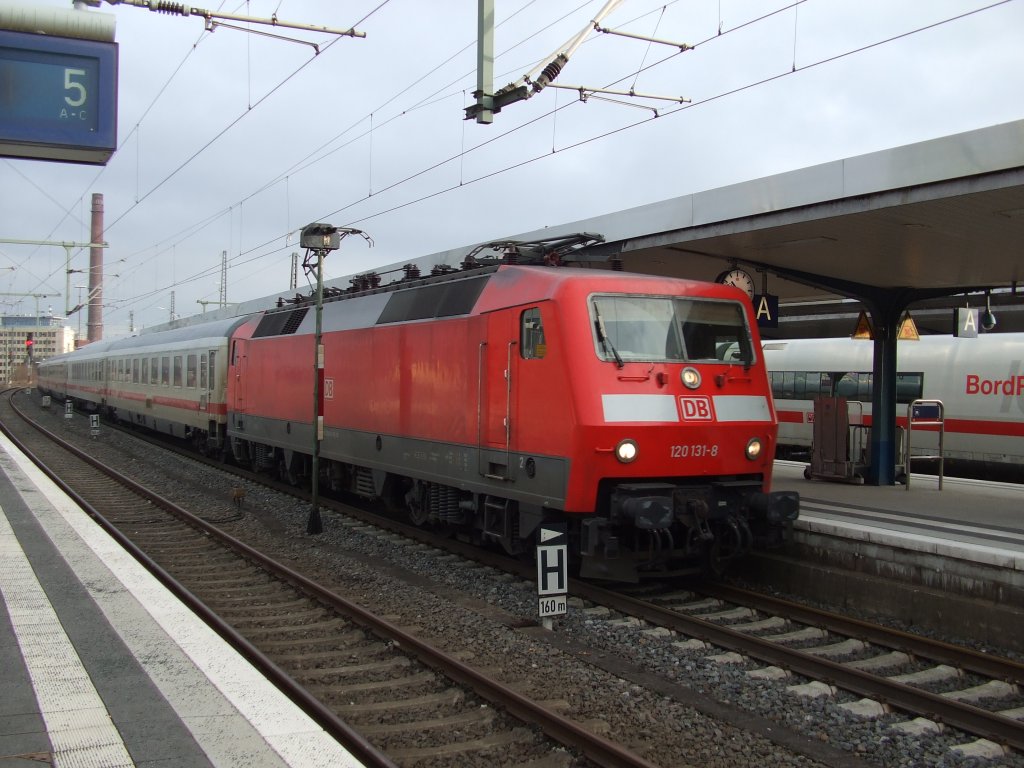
696 408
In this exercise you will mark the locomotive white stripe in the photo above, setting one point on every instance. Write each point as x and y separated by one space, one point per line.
741 408
639 408
662 408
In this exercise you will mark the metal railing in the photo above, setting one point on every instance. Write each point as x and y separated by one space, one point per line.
925 413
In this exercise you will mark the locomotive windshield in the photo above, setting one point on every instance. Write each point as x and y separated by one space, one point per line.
670 329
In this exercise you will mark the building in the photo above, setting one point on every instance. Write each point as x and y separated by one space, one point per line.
49 337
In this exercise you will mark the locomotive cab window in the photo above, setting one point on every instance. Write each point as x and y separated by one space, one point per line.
531 335
655 328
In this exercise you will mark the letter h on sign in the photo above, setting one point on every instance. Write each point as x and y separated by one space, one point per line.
552 570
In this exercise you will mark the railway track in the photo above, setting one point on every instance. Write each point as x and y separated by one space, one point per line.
950 686
389 696
935 683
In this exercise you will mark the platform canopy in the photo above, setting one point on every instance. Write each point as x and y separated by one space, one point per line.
936 218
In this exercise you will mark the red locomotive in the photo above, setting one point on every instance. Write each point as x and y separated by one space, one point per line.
635 409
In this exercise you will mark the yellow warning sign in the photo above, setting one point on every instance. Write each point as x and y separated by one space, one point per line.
908 329
864 329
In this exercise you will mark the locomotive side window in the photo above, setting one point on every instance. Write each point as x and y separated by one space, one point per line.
651 328
531 335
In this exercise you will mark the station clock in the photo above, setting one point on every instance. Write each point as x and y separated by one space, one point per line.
738 278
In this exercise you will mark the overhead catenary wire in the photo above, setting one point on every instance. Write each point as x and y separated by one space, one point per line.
253 251
244 256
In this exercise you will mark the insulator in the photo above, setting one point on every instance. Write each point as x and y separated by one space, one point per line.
549 73
163 6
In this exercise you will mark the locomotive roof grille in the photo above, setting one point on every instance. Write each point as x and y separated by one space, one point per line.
280 323
426 302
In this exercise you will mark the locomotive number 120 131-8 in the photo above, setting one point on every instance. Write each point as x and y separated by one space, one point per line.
696 451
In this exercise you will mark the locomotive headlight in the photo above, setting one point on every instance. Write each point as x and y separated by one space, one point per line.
753 448
626 451
690 377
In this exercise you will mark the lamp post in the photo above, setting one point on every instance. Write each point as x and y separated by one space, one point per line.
318 239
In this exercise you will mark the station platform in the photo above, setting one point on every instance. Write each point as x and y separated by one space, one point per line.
951 560
970 519
101 666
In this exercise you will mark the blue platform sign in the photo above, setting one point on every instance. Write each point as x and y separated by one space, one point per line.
58 98
766 310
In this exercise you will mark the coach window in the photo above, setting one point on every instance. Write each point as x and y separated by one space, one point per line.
145 371
202 372
177 370
165 371
190 372
909 387
531 335
135 370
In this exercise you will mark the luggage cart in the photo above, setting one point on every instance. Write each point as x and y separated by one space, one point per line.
924 413
840 448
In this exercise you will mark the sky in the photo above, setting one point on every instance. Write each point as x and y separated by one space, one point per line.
232 141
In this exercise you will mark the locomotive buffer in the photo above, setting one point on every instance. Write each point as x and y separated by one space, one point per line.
552 570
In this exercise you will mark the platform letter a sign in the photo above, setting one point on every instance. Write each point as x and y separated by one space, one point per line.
766 310
966 322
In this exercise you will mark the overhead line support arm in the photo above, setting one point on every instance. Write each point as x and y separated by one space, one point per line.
181 9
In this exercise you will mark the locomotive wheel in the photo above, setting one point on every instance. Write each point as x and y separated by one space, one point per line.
286 475
415 504
418 515
714 564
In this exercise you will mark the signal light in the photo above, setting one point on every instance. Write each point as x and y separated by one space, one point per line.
29 343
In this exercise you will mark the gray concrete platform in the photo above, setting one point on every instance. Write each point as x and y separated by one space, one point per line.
101 666
973 520
950 559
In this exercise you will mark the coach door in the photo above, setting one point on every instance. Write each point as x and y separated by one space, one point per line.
497 355
239 381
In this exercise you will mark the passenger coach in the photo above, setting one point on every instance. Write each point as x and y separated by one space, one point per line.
980 382
172 382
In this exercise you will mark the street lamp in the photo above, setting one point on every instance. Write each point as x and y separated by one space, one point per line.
319 239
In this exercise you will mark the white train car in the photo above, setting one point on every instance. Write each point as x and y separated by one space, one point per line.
170 381
979 381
